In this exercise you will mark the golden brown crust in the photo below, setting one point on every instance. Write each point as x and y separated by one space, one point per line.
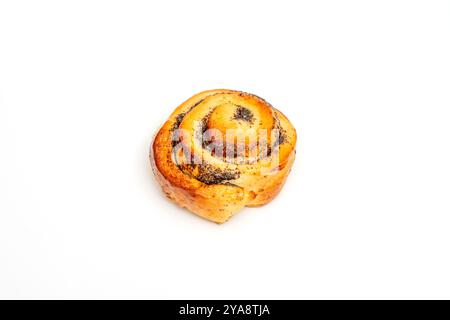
206 182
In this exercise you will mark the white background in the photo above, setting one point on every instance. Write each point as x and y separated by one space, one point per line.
84 85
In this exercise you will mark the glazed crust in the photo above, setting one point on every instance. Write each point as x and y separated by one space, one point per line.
217 186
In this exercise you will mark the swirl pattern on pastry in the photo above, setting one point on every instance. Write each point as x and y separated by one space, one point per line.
222 150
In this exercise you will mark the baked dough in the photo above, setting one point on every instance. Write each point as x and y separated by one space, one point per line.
212 173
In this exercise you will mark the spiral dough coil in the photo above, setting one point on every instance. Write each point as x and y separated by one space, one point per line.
222 150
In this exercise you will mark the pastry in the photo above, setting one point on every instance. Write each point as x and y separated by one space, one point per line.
222 150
